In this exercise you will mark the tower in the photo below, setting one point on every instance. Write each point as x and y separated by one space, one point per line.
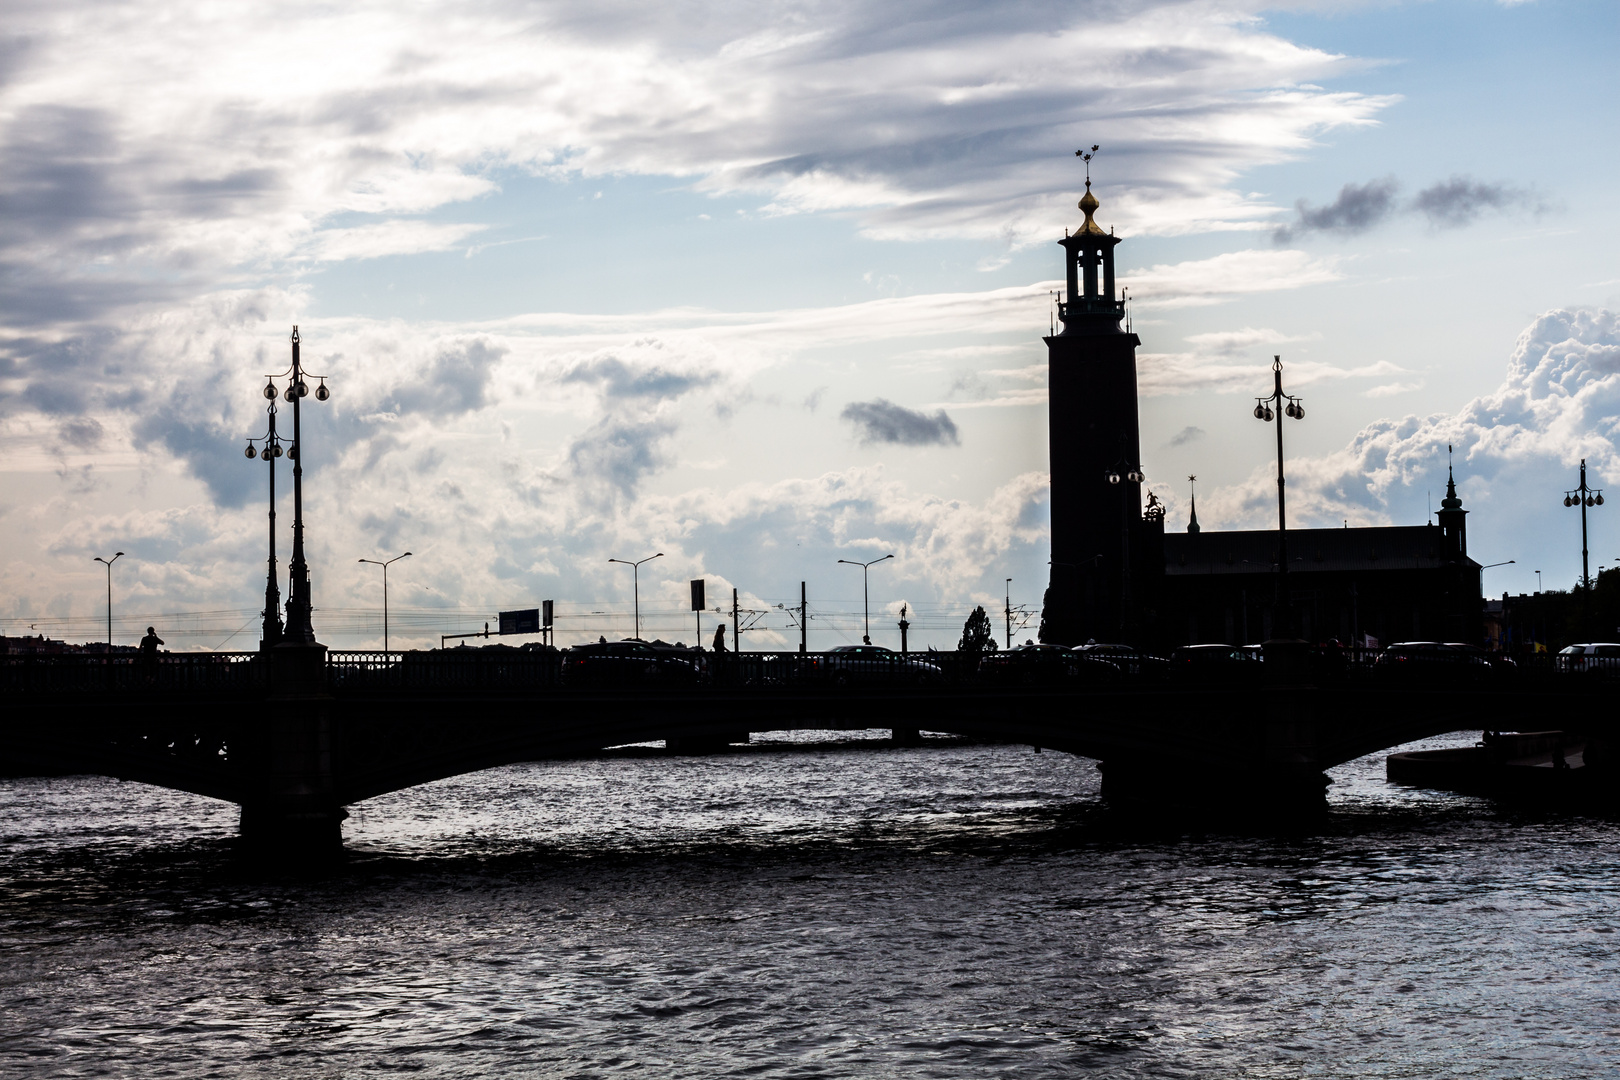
1453 520
1094 445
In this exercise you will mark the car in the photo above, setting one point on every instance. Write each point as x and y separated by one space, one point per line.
630 662
847 664
1131 661
1030 665
1432 662
1598 659
1205 664
1502 662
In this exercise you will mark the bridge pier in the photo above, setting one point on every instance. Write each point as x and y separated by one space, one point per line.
291 813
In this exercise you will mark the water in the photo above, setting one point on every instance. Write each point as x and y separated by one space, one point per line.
949 911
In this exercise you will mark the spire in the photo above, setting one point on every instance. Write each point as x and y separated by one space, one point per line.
1192 525
1088 201
1450 502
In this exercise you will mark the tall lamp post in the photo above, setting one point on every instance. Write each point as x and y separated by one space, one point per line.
1263 411
108 563
385 565
299 631
866 595
1584 497
271 450
635 583
1008 611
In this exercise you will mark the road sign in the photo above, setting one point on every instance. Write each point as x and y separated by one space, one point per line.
521 622
545 612
697 595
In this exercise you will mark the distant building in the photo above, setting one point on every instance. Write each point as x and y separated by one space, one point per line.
1117 575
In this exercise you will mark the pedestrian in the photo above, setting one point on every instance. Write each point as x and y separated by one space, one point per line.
720 638
149 648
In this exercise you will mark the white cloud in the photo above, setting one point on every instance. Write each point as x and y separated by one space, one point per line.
1212 281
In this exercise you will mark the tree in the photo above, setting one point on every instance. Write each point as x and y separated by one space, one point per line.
977 636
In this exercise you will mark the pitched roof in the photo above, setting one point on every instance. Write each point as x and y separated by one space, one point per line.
1390 547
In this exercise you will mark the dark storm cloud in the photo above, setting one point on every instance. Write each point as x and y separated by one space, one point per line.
883 421
213 453
1358 208
1460 200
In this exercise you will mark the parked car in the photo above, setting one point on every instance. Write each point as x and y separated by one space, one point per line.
1207 664
1130 661
1031 665
1502 662
1597 659
1432 662
626 663
874 664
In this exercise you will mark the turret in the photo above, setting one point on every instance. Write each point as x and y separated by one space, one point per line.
1453 519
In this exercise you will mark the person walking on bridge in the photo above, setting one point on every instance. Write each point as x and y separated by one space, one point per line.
720 638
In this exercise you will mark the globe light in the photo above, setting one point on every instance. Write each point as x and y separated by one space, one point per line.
1259 412
1599 499
278 449
1589 500
303 388
250 452
1299 412
321 392
292 452
270 391
288 395
1134 476
1568 501
265 453
1270 416
1113 477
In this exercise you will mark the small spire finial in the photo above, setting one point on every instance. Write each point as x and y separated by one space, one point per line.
1192 524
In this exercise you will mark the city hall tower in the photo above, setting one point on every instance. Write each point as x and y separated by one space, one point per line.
1096 463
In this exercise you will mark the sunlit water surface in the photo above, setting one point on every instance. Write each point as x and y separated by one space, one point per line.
845 910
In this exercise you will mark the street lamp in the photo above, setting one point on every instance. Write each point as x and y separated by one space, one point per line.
1510 562
271 450
635 582
1584 497
298 631
108 563
385 565
1263 411
866 596
1008 610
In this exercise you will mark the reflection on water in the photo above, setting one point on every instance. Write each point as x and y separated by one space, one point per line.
949 911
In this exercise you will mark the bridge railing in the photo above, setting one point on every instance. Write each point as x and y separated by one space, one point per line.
78 675
448 670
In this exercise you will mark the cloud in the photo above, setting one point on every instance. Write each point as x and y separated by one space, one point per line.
146 160
1187 435
1358 208
1460 200
1559 403
1214 280
1361 207
882 421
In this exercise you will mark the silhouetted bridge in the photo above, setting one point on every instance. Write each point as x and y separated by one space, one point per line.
296 736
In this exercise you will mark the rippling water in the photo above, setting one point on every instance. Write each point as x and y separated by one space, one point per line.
791 911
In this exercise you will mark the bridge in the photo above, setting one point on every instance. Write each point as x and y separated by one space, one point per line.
295 734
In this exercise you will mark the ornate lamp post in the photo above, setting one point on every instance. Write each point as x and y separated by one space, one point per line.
1263 411
635 580
108 563
1584 497
268 452
385 565
866 595
299 631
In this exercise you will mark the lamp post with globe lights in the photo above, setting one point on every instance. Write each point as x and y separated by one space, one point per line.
1584 497
270 449
1293 407
299 630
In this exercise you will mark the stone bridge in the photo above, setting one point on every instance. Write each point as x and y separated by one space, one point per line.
296 736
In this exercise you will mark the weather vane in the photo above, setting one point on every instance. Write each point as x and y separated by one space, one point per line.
1086 156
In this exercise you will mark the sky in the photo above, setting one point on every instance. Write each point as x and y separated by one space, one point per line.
762 287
